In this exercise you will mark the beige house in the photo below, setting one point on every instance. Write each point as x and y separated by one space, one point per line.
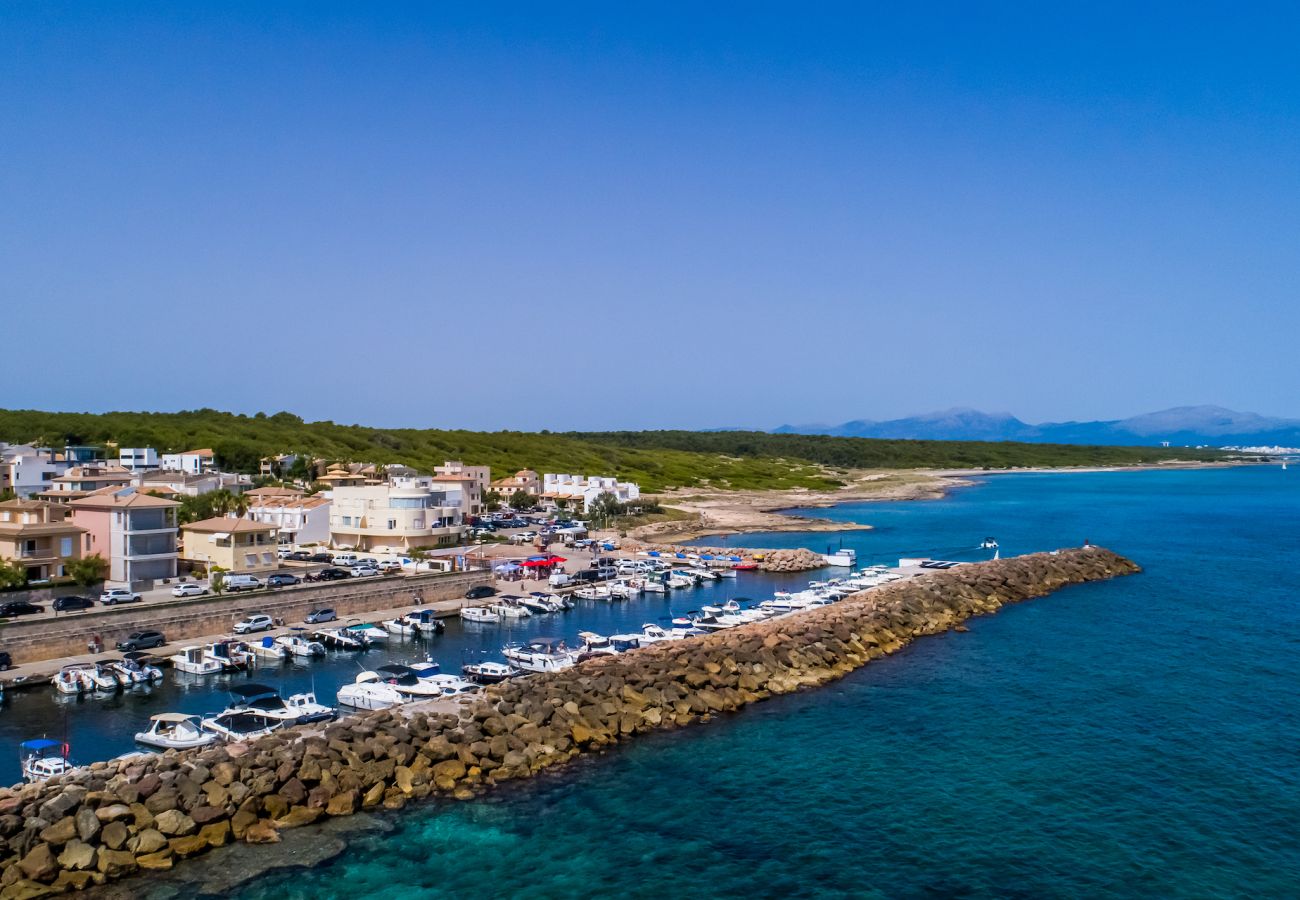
39 536
387 517
525 480
236 545
474 481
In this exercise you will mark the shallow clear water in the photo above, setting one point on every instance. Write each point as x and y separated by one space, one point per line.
1135 738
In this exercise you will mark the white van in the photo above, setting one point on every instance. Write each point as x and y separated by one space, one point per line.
236 583
345 559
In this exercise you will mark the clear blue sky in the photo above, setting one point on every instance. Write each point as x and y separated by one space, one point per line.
686 216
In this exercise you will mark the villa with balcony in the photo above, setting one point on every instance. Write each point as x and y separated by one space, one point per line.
39 536
135 532
241 546
395 519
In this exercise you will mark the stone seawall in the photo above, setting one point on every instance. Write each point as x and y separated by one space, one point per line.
114 819
30 640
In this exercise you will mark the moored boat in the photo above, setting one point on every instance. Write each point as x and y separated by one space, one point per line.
43 758
296 709
175 731
488 672
194 661
369 691
479 614
241 725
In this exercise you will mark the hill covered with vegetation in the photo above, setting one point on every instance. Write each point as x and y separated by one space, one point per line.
655 459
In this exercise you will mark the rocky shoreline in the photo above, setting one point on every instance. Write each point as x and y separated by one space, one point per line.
113 820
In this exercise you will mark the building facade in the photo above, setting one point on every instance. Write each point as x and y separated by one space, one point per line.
394 518
193 462
134 532
576 488
237 545
40 536
477 480
28 470
298 518
138 459
525 480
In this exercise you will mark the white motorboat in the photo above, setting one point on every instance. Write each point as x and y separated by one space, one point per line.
488 672
536 605
426 622
127 673
141 660
593 592
340 639
424 668
103 677
269 647
175 731
677 581
541 655
654 586
296 709
241 725
594 645
42 759
194 661
625 589
406 682
72 680
479 614
367 631
230 655
510 608
451 685
369 691
300 647
844 556
401 627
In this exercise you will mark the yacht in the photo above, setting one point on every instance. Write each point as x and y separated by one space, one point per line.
541 655
369 691
478 614
241 725
43 759
194 661
175 731
297 709
488 672
451 685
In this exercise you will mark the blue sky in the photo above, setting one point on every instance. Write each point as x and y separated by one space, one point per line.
607 216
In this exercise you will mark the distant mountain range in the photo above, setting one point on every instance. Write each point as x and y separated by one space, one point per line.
1181 426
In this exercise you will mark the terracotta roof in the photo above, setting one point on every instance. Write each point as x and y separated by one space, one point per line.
118 498
204 452
227 525
26 504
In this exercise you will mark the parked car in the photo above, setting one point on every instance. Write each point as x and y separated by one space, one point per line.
390 565
189 589
299 556
114 596
141 640
479 592
71 604
559 579
281 579
363 571
368 561
237 583
317 616
284 552
344 559
257 622
321 557
333 573
6 661
19 608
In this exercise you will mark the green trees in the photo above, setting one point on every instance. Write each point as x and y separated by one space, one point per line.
213 503
12 575
87 570
491 500
521 499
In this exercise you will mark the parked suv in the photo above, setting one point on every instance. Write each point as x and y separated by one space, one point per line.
189 589
254 623
141 640
479 592
333 573
364 571
71 604
114 596
282 579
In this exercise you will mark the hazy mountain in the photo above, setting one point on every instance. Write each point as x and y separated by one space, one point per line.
1181 426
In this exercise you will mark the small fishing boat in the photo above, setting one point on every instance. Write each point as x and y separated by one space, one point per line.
72 680
369 691
42 759
297 709
479 614
175 731
194 661
744 566
241 725
488 672
269 647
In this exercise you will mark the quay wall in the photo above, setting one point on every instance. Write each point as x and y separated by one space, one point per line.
115 819
31 640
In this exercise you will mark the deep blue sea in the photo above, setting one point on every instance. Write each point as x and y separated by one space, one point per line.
1137 738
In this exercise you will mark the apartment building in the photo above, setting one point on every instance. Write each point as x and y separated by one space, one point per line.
135 532
475 480
389 517
237 545
586 490
193 462
40 536
82 480
138 459
27 470
299 518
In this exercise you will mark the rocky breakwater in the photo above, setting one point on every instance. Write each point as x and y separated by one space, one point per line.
790 560
116 819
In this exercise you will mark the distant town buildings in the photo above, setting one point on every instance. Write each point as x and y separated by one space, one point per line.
587 490
525 480
39 536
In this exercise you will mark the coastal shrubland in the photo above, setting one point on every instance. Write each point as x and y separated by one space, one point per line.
657 460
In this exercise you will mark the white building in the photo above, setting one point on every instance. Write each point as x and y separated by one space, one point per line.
587 490
192 462
300 518
138 459
27 470
397 518
476 481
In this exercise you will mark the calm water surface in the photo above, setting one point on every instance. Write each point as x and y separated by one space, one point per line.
1130 739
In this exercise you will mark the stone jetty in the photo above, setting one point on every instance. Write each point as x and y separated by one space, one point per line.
784 560
112 820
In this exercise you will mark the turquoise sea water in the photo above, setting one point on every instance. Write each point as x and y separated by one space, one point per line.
1136 738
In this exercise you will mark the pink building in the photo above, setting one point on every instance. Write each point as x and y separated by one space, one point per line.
135 532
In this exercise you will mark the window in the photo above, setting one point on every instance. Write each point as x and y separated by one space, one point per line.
392 524
65 546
